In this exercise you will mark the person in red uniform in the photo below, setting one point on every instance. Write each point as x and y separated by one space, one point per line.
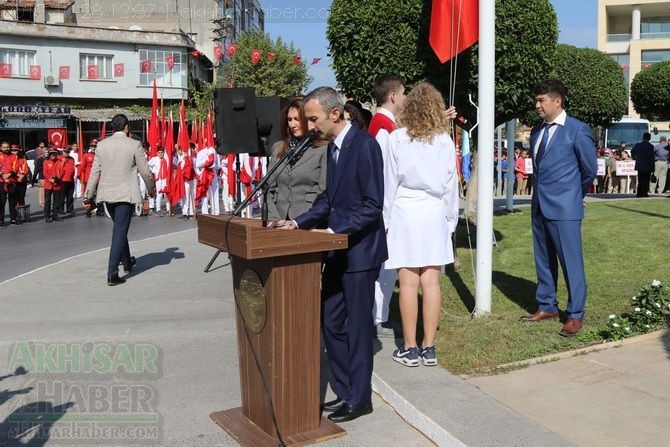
8 176
53 185
68 182
85 167
22 170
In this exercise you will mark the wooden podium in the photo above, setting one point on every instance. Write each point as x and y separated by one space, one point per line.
277 282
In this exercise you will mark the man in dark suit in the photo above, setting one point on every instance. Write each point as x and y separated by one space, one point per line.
643 154
564 166
118 160
351 204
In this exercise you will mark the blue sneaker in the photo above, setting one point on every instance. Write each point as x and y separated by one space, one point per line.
429 356
408 357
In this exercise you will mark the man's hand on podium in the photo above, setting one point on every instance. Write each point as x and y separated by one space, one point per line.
283 224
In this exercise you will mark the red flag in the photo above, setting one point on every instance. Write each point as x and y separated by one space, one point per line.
194 131
454 26
218 52
209 130
145 66
35 72
5 70
195 53
297 59
170 61
64 72
271 56
119 70
80 143
103 130
182 137
315 60
256 56
645 66
57 137
232 49
153 135
92 71
201 136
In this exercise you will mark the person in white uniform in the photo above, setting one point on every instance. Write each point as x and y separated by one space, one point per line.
420 213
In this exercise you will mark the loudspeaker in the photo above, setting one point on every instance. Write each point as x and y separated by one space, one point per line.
268 109
236 127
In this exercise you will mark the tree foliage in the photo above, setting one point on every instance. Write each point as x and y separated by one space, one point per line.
280 76
390 36
374 37
595 83
650 92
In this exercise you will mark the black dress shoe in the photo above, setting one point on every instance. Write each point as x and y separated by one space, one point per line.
115 281
332 405
131 264
348 413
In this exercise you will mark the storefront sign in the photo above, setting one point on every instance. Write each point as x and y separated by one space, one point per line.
10 122
32 109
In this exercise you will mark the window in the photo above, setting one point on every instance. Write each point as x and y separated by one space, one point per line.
16 62
652 56
96 66
655 28
168 67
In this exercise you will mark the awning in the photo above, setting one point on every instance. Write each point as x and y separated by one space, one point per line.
104 115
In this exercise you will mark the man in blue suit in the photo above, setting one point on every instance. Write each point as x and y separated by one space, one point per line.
351 204
564 166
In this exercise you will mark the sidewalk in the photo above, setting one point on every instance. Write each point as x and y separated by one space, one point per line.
618 396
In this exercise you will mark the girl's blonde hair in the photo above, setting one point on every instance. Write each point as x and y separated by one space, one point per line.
423 113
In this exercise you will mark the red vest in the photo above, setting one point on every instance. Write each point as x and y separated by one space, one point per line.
380 121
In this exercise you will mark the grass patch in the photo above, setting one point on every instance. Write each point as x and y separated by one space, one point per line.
625 247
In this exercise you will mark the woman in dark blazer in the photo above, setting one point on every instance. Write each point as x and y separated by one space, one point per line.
295 187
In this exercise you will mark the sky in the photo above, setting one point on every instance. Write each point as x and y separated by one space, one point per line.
304 23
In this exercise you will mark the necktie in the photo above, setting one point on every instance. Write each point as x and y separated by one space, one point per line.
543 142
334 153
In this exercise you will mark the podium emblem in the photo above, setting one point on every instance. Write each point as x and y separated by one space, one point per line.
253 305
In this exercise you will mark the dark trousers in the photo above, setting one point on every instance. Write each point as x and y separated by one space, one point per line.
121 213
348 298
7 197
53 201
21 188
68 197
643 179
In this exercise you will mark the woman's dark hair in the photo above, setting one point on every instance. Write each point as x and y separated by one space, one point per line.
356 116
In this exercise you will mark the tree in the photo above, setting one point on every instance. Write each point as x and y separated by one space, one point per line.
650 91
276 73
595 84
374 37
390 36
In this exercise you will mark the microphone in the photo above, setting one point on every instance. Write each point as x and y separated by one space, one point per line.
297 153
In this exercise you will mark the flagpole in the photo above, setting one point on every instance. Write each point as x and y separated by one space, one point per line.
484 266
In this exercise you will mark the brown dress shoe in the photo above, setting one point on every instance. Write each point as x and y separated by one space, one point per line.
539 316
570 328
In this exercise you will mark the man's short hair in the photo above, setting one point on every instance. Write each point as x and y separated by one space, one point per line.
646 136
385 85
119 122
552 87
327 97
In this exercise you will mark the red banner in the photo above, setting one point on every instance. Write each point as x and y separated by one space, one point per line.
119 70
297 59
35 72
256 56
92 71
64 72
5 70
170 62
232 49
145 66
218 52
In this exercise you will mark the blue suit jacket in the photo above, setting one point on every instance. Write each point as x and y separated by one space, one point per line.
353 200
566 171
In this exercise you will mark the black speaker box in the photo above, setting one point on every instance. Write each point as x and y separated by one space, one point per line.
268 109
235 121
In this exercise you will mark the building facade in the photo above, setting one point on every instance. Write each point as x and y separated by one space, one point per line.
51 65
636 34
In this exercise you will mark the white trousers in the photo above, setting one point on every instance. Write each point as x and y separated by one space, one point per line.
159 198
187 206
383 292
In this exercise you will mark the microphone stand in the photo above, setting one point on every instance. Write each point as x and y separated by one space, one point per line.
291 156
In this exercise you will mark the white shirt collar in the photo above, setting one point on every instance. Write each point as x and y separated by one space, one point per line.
340 137
387 113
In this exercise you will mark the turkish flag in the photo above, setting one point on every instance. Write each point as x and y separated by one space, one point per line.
5 70
57 137
297 59
145 66
271 56
64 72
451 34
232 49
195 53
119 70
35 72
218 52
170 61
316 60
92 71
256 56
